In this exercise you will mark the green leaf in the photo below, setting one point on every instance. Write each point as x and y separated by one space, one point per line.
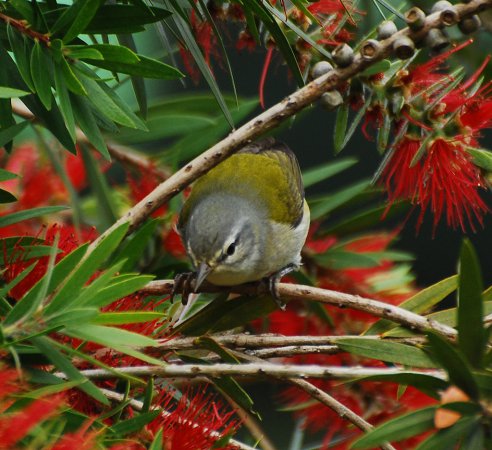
471 329
6 175
157 442
129 426
31 303
380 66
7 134
146 67
420 302
6 197
454 363
449 437
104 103
77 279
340 127
106 52
119 290
72 317
88 124
397 429
134 247
65 104
40 71
8 92
29 214
108 336
427 383
393 352
324 206
52 120
19 45
71 80
101 189
355 122
323 172
118 18
79 15
481 158
122 318
189 40
44 345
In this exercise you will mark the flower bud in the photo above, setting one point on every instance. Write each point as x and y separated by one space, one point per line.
343 55
370 49
320 68
415 18
436 40
331 99
386 29
470 24
404 47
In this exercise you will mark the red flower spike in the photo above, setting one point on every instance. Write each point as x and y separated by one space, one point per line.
14 427
264 72
194 422
445 181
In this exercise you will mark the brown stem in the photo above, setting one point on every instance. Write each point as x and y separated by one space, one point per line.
23 27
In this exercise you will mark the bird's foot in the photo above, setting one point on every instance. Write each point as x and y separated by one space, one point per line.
274 279
183 283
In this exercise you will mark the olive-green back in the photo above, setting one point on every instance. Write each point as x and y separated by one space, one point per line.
265 173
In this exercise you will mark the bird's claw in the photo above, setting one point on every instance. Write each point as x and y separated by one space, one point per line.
183 285
274 279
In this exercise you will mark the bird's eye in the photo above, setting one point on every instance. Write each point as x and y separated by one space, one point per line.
231 249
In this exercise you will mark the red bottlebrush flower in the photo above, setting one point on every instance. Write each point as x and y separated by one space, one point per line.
194 422
13 427
142 185
328 7
20 260
80 440
173 244
8 383
445 180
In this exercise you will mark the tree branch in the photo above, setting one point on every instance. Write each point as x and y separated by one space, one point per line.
251 369
277 114
288 291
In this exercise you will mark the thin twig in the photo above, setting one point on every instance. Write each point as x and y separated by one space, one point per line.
243 340
274 116
138 406
256 369
288 291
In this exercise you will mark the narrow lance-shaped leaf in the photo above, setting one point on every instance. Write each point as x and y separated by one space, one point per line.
340 127
40 71
454 363
19 47
471 329
397 429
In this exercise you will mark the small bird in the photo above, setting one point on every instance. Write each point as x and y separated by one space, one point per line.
247 219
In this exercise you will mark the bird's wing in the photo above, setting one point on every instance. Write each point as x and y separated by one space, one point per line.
281 154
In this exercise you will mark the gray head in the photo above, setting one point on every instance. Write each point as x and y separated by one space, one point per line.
224 235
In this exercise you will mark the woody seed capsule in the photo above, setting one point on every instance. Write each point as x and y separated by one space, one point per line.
386 29
331 99
470 24
404 47
449 15
343 55
436 40
415 18
370 49
441 5
320 68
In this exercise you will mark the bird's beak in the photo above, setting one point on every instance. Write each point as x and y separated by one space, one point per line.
203 270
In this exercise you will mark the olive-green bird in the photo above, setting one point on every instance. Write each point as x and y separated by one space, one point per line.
247 218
